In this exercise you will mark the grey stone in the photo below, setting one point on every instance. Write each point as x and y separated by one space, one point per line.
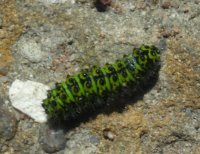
8 124
51 140
30 49
82 142
1 21
1 101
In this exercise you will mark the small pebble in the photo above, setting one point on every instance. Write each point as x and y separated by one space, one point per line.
27 97
101 5
166 5
108 134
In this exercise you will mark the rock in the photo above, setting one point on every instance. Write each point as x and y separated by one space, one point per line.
108 134
52 140
30 49
1 22
1 102
8 127
4 70
165 120
36 44
27 97
82 142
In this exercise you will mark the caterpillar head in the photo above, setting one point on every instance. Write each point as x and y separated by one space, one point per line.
147 56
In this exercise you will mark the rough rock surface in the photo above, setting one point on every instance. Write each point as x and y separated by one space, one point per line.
69 35
8 127
52 140
82 141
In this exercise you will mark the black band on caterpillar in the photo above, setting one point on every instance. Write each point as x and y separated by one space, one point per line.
76 94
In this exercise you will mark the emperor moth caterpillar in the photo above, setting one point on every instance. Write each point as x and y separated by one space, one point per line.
76 94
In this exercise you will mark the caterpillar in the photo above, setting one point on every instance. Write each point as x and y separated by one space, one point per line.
76 94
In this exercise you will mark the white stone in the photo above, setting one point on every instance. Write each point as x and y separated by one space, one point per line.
27 97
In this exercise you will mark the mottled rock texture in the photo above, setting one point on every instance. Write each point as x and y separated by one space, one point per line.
8 126
72 35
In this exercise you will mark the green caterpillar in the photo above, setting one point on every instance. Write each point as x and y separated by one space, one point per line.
76 94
